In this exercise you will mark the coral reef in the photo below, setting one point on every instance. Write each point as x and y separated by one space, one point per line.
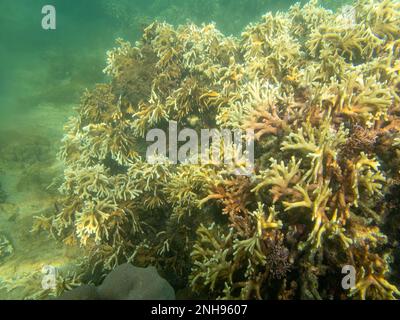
321 91
6 247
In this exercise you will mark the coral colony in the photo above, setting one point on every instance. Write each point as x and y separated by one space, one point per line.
321 92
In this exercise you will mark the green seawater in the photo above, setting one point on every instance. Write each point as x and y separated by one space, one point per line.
42 76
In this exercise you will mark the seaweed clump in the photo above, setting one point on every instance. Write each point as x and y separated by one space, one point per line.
321 91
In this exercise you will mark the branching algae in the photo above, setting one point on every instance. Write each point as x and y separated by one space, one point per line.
321 92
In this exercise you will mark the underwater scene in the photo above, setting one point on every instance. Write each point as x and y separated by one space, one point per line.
200 149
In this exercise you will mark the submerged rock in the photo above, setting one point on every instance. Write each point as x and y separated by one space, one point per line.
126 282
